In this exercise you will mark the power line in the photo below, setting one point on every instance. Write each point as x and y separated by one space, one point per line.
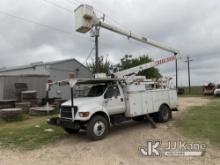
49 27
72 2
78 1
58 6
110 18
76 69
40 24
90 53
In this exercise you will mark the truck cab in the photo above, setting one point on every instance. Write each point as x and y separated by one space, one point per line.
101 97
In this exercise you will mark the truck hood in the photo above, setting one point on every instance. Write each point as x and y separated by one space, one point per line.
217 90
84 101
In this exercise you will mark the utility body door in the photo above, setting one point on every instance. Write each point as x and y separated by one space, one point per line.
114 100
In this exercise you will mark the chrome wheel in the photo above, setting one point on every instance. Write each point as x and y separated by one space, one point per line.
99 128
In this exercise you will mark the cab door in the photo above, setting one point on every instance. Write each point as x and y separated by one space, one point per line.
114 101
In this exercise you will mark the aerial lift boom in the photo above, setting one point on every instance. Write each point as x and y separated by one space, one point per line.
86 19
139 68
136 37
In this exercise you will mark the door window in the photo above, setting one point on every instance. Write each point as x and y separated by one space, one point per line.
112 91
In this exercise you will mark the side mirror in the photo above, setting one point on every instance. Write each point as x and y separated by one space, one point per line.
115 92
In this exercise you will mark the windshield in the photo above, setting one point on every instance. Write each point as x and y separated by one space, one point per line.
218 86
96 91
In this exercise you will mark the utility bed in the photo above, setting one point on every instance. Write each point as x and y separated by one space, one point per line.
141 101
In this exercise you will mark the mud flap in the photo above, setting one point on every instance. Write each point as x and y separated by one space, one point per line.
54 121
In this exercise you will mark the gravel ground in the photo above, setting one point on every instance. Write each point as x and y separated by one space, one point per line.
120 147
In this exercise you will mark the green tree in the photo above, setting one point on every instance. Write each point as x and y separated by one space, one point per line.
128 62
104 65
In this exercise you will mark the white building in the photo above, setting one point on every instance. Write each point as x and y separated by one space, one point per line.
37 74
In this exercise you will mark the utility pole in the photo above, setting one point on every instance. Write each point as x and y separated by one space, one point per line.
96 49
188 65
176 73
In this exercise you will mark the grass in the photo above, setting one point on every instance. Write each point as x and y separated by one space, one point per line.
195 91
28 134
202 122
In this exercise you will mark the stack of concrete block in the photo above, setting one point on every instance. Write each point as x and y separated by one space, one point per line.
39 111
20 87
7 104
29 96
11 113
25 106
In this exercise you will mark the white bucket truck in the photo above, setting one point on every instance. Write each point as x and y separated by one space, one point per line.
118 99
114 100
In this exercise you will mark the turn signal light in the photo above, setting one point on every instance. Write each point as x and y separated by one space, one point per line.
84 114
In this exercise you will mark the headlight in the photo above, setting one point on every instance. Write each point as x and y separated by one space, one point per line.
83 114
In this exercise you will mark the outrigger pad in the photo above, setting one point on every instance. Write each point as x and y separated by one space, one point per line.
153 124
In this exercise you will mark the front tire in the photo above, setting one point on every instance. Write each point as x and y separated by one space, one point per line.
71 131
97 128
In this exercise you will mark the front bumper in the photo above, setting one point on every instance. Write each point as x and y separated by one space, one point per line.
64 123
217 94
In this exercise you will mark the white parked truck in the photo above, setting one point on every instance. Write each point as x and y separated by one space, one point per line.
114 100
217 90
124 97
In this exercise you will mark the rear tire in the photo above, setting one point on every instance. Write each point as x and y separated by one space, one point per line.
164 114
71 131
97 128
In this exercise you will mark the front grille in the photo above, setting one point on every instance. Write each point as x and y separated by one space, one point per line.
66 112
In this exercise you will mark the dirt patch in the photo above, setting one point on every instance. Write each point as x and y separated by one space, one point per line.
186 102
120 147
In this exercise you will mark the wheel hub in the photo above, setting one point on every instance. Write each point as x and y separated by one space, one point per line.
99 128
166 114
